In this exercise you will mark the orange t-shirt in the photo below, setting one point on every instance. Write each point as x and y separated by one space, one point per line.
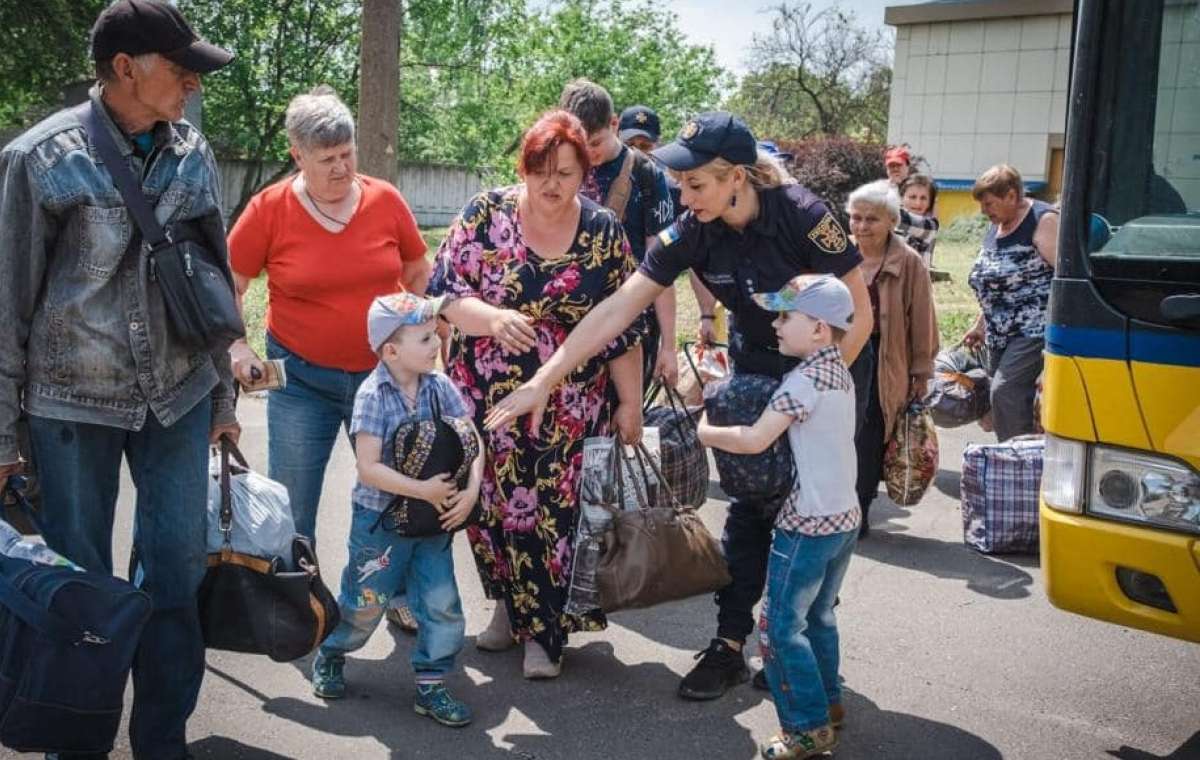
321 283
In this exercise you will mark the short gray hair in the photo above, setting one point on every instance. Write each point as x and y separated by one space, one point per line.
106 73
319 119
880 195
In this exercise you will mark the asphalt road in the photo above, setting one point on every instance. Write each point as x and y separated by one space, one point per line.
947 654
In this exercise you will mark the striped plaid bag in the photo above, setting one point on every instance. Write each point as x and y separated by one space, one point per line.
1000 484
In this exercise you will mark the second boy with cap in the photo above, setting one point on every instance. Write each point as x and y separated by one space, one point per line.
817 526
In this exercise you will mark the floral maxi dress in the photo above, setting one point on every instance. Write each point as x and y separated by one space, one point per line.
530 489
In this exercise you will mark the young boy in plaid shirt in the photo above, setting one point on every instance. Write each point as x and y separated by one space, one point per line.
817 526
403 387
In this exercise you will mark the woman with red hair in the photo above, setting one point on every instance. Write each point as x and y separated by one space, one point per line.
520 267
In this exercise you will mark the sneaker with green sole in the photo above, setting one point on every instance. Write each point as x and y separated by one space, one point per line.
327 679
434 701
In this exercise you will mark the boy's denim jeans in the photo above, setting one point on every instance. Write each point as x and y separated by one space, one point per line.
799 629
383 561
79 468
302 425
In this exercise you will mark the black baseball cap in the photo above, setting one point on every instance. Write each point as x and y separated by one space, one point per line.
715 134
138 27
639 121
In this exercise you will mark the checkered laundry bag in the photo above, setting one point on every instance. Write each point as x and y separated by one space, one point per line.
684 461
1000 483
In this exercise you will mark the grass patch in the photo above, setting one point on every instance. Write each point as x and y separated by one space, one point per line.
954 299
956 304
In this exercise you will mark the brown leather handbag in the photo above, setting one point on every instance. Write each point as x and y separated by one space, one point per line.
655 555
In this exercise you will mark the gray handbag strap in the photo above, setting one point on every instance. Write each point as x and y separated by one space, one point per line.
153 233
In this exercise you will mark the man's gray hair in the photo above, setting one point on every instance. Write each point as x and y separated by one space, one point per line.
319 119
106 73
879 195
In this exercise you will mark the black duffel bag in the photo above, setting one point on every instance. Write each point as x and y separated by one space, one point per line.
261 605
766 477
684 460
67 640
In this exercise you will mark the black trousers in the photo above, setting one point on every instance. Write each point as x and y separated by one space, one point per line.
747 537
869 444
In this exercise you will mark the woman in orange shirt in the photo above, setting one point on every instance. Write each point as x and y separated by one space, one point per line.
330 240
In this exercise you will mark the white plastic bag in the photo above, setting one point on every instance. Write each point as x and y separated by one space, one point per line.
262 515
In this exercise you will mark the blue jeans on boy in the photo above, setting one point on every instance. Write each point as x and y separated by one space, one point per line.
799 628
302 425
79 468
383 561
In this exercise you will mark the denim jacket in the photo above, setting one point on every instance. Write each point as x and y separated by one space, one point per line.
83 332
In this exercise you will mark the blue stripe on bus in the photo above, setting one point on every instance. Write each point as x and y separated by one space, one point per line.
1181 349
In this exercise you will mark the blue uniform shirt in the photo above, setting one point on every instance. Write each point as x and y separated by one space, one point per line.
793 234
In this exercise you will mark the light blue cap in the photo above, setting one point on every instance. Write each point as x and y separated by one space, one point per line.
395 310
822 297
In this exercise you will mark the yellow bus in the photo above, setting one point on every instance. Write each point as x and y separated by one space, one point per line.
1120 514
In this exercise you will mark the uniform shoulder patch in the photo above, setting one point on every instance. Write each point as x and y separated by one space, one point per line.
828 235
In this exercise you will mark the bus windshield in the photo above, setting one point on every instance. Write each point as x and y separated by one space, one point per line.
1144 188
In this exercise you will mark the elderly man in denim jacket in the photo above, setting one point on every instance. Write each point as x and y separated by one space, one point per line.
85 346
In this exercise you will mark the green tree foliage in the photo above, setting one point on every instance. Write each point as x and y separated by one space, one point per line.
476 73
816 73
282 48
43 46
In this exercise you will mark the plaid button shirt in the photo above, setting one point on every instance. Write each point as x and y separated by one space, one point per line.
920 232
380 409
828 373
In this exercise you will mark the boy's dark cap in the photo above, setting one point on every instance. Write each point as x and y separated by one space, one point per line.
711 135
138 27
639 121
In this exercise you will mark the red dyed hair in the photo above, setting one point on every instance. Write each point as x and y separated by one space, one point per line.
542 140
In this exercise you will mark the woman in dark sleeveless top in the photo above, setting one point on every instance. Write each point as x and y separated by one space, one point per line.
1011 279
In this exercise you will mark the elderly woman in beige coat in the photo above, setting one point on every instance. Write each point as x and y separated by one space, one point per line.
905 336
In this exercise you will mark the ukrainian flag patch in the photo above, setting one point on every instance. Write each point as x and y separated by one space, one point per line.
669 236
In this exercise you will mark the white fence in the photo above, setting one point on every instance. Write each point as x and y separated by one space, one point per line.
435 192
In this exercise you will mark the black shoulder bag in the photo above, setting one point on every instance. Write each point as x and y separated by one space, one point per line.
196 286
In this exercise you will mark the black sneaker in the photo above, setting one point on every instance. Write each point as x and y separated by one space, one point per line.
720 669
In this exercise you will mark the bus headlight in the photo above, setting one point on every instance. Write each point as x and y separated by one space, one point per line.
1062 474
1143 488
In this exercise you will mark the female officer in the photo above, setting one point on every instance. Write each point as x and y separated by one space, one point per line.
749 229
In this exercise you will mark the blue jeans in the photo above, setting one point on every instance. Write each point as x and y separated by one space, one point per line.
302 426
79 468
799 634
379 563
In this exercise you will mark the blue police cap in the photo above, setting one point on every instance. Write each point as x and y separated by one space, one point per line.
716 134
639 121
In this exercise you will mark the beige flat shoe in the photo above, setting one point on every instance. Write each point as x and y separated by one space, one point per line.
497 637
537 666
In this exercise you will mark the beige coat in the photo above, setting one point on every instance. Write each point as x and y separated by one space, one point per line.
908 331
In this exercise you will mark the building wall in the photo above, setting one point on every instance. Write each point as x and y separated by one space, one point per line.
1177 120
969 94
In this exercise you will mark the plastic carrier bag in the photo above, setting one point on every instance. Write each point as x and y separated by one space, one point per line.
959 392
262 514
910 460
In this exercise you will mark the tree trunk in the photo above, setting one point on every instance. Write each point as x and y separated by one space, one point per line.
379 89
